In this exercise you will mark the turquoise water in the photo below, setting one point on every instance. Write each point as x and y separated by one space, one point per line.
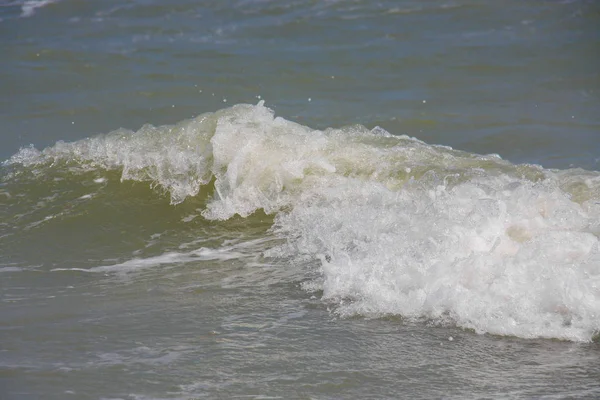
302 199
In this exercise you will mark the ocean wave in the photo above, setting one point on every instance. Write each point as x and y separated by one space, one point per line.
395 226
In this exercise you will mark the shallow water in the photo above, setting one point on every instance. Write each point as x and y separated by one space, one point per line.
297 205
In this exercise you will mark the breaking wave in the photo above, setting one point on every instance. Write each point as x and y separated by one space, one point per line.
395 226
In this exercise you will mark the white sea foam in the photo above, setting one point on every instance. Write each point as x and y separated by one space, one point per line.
11 269
28 8
229 250
395 226
138 264
487 254
201 254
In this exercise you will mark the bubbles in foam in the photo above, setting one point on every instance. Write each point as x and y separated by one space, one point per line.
497 255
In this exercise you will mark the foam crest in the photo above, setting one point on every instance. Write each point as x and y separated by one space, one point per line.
28 8
495 254
258 161
174 158
261 162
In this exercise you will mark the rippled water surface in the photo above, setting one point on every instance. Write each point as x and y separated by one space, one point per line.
300 199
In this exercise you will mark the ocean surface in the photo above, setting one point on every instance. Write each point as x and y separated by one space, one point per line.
334 199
